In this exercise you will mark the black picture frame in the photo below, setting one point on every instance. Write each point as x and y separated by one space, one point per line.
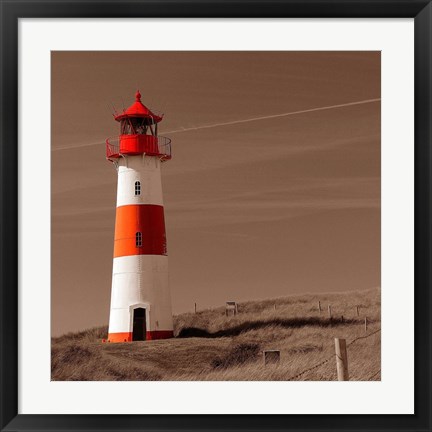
12 10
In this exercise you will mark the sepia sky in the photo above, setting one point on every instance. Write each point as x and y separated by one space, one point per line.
274 185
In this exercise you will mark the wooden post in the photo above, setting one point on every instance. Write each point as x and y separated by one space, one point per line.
330 311
341 359
342 318
358 312
319 306
195 307
366 323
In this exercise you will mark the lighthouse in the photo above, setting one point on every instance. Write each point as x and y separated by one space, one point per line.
140 295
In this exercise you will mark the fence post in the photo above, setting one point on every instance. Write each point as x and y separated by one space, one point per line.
366 323
341 359
319 306
195 307
358 312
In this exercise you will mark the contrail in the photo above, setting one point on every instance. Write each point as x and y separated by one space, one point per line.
275 116
234 122
78 146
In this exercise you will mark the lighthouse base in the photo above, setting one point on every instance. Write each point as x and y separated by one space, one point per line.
150 335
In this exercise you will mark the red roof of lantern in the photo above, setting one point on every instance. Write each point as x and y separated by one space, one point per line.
138 109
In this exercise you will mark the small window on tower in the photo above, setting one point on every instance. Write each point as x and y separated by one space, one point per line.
138 239
137 188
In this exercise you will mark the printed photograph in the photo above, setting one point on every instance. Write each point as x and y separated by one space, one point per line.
215 216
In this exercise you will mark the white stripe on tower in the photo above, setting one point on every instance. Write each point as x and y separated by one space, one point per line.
143 169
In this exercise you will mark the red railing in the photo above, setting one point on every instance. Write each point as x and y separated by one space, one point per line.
112 148
138 144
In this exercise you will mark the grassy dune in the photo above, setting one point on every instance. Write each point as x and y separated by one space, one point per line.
210 346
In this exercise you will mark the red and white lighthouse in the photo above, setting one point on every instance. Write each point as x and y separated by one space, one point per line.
140 296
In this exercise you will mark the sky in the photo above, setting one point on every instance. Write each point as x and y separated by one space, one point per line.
273 188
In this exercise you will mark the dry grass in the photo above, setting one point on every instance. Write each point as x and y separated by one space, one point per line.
210 346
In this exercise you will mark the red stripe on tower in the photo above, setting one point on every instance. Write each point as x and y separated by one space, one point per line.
150 335
140 230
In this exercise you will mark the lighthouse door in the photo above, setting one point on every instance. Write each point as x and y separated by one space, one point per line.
139 324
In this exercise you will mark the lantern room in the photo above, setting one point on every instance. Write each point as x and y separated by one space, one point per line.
138 134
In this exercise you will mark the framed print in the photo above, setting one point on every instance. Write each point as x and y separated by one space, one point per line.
213 213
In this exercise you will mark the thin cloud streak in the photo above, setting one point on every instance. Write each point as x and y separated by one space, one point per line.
234 122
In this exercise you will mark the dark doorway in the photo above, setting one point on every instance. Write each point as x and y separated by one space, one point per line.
139 325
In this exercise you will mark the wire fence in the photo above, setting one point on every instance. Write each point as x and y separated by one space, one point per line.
295 377
373 375
363 337
322 363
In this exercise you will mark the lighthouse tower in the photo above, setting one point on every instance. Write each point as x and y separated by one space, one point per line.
140 296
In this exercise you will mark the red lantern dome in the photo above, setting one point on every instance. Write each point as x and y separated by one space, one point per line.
139 110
